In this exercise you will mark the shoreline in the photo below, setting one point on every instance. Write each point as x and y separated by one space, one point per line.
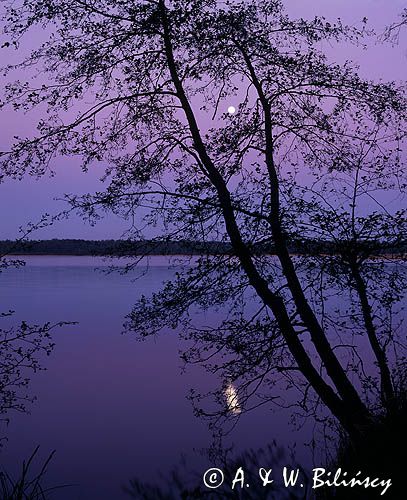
183 255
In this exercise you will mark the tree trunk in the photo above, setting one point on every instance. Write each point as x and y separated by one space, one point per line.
318 337
387 391
353 421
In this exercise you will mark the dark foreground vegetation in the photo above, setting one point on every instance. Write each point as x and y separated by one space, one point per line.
185 483
29 483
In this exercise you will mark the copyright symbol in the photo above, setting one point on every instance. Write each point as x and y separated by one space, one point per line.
213 478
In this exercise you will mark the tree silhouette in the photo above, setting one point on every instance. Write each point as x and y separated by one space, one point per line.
23 345
392 32
159 75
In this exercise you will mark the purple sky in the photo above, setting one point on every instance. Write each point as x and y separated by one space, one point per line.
21 202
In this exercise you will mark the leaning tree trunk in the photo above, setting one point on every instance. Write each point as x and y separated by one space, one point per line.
318 336
343 409
387 390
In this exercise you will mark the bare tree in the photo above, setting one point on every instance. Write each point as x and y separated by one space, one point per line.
159 75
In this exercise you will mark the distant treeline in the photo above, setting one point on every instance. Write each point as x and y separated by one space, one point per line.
110 247
147 247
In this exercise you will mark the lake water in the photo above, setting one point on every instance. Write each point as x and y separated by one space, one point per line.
112 408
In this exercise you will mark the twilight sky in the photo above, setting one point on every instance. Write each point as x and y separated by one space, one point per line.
24 201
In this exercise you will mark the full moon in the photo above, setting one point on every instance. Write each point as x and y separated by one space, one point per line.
231 110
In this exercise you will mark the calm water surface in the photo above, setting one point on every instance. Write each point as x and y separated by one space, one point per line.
112 408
